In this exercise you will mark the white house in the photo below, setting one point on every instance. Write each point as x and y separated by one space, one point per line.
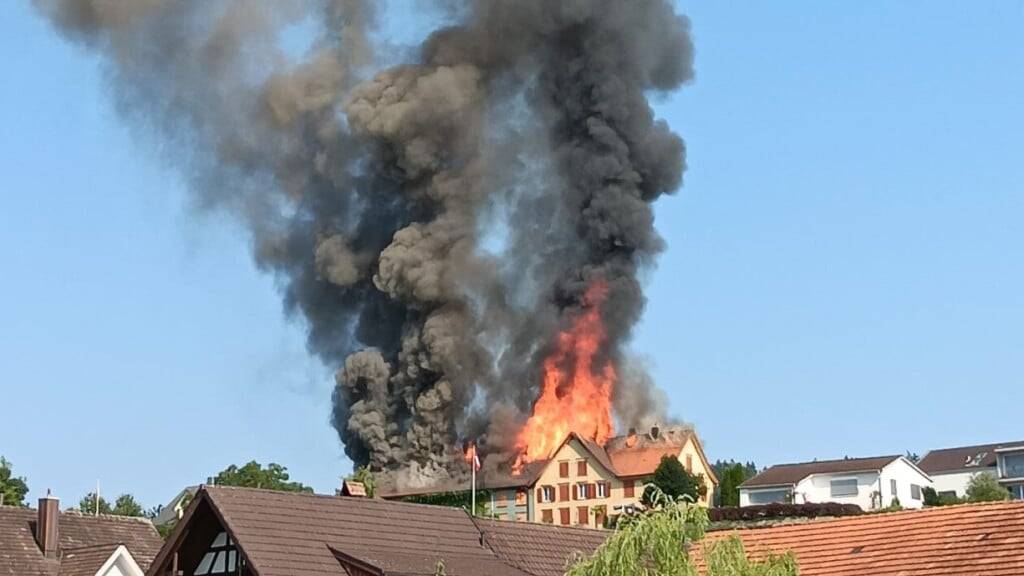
870 483
952 469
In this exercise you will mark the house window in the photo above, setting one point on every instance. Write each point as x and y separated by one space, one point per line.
583 516
220 558
843 487
629 488
892 487
689 463
581 468
602 490
581 490
563 469
547 494
547 516
915 491
520 497
563 492
769 496
1017 492
1013 466
564 513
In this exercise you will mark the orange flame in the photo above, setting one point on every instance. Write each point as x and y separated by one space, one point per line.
574 397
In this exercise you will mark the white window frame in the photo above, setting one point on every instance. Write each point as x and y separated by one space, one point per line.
602 490
832 487
581 490
547 494
754 496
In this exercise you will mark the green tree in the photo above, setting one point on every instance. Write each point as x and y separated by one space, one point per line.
126 505
89 505
254 475
671 478
12 488
657 544
985 487
365 476
730 477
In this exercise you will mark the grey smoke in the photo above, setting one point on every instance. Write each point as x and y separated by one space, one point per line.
371 195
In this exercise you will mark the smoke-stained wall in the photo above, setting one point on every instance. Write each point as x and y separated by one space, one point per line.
434 223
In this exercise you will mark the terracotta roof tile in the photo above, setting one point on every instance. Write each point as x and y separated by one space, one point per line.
786 474
539 549
641 461
973 539
20 555
963 458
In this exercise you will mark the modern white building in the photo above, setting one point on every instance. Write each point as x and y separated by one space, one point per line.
870 483
952 469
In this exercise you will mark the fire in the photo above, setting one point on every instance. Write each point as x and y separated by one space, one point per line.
574 396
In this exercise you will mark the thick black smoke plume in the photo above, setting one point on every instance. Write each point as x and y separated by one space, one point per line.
434 223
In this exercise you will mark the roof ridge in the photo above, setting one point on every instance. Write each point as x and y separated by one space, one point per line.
833 460
331 497
974 446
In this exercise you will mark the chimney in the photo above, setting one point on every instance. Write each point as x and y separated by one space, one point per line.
48 525
655 431
631 438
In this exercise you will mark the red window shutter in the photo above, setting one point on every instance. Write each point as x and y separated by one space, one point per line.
628 488
583 515
563 492
540 494
548 517
581 468
591 491
563 469
689 463
564 513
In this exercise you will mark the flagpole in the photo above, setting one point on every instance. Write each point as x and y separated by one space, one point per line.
472 466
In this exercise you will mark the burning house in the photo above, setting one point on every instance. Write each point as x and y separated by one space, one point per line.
583 483
464 232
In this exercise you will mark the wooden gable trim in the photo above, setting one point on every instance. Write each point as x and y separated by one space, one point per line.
181 529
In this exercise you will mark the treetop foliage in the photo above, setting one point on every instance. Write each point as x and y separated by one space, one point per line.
674 481
12 488
254 475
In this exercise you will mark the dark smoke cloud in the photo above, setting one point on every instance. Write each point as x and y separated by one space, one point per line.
434 223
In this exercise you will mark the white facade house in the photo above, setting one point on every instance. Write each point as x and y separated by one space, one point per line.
952 469
870 483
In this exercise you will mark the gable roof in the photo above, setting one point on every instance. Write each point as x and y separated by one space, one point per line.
20 554
955 540
623 456
789 474
963 458
284 533
539 549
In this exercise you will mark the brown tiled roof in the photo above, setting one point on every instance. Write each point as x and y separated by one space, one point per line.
963 458
539 549
787 474
973 539
285 534
21 556
641 461
86 561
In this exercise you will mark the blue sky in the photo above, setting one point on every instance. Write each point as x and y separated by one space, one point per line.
844 271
